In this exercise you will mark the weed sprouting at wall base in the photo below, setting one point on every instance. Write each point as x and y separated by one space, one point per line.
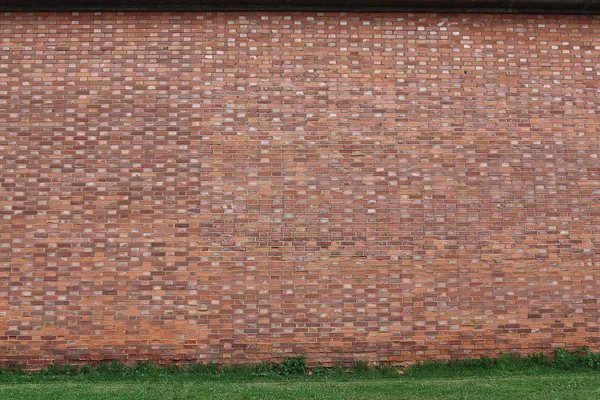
581 359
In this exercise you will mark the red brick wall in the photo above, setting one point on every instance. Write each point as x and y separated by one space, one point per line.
241 187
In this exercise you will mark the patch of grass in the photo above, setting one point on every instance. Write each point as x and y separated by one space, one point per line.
580 360
293 366
57 369
563 375
583 386
360 367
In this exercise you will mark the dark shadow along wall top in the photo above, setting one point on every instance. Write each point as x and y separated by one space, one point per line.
471 6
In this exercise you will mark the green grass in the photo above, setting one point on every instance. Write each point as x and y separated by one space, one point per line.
581 386
565 375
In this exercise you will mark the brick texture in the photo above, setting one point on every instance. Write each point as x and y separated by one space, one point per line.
238 187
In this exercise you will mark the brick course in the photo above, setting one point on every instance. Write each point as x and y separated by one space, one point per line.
238 187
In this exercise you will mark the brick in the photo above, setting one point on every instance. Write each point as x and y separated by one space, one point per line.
237 188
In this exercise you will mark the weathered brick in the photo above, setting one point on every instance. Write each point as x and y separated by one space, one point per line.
239 187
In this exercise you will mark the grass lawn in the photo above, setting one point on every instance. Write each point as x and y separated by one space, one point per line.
565 375
489 386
